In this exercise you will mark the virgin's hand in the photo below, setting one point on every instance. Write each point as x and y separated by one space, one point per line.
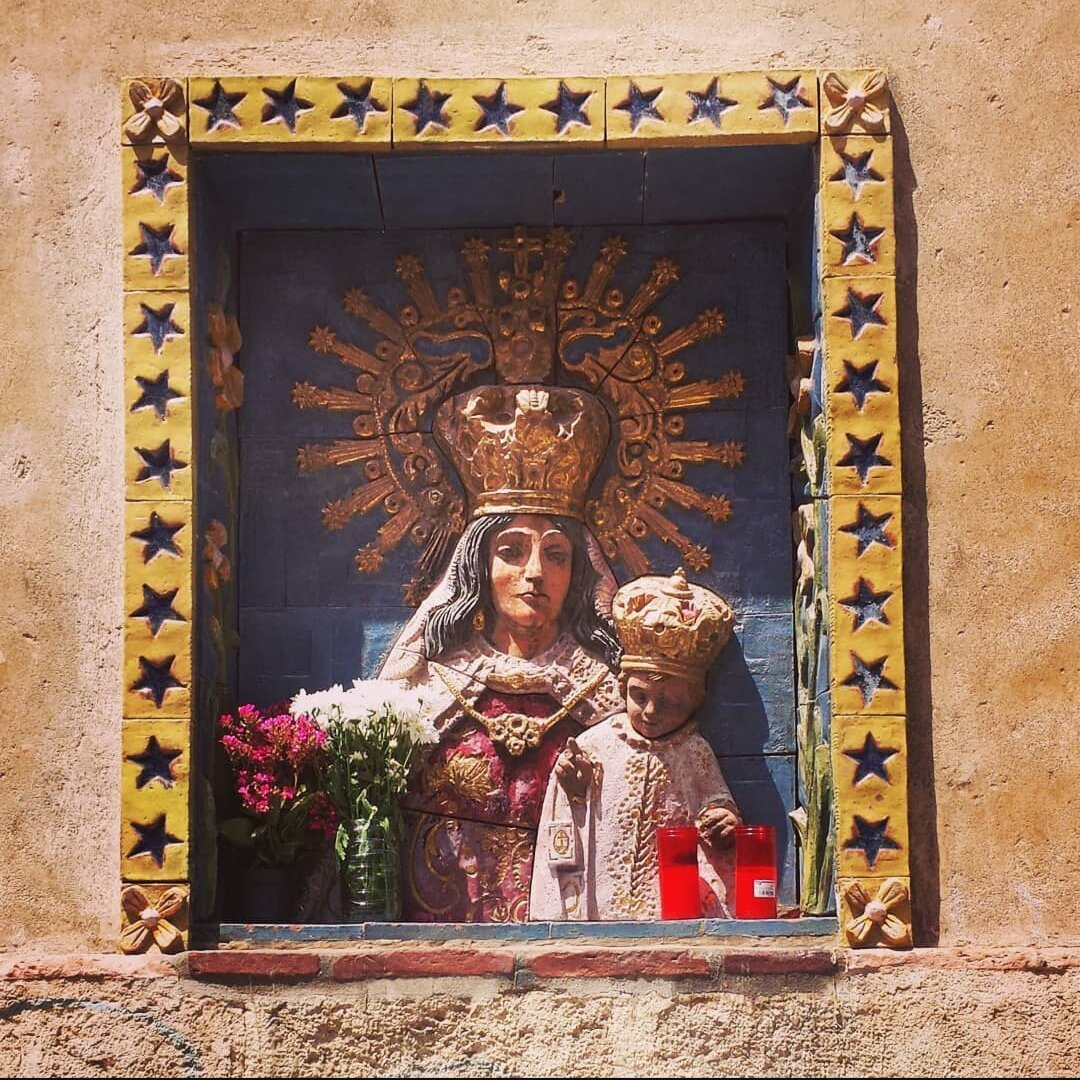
574 770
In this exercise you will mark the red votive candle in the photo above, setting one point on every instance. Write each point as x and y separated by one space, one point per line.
680 893
755 872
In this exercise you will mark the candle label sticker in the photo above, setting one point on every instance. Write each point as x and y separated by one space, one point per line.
764 887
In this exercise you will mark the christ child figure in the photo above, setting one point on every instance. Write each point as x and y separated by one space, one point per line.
616 784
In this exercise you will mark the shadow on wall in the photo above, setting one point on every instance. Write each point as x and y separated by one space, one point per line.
922 797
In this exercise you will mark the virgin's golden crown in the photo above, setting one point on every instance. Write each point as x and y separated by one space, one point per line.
524 449
669 626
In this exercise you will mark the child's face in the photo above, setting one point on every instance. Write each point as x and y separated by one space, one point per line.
658 704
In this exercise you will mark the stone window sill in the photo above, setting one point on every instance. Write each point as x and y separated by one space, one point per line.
690 929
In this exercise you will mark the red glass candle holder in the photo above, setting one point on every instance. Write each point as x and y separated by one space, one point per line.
755 872
680 891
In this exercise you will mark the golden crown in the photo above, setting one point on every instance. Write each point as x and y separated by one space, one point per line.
670 626
524 449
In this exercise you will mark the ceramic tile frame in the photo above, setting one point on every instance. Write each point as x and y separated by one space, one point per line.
846 113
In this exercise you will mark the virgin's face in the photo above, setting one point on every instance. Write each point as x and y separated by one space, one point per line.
530 564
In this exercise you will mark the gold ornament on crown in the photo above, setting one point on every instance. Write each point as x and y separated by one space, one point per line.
524 449
670 626
522 322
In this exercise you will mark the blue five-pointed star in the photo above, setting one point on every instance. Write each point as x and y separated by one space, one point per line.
156 762
496 110
568 107
855 171
869 677
427 108
640 105
155 176
156 244
156 394
861 311
157 537
153 839
710 105
860 382
867 605
159 464
868 529
157 325
358 104
156 679
862 456
859 241
284 105
871 759
870 839
784 98
219 107
157 608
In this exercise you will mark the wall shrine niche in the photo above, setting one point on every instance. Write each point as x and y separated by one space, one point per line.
389 385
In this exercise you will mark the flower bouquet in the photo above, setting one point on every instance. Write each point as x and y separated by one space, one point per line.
275 758
373 733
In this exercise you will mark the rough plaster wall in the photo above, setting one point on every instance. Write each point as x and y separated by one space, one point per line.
987 205
910 1023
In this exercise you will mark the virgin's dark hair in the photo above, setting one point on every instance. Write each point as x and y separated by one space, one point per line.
451 624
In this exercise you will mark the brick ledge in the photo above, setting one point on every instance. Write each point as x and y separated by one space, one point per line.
534 962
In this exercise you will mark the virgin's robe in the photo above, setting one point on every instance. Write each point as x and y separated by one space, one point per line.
472 812
597 858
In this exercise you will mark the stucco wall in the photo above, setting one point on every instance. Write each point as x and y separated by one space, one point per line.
987 189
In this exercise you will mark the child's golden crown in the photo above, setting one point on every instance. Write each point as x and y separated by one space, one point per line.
670 626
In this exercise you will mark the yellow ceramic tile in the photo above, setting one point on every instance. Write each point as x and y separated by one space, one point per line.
872 832
861 387
498 110
177 108
867 614
157 605
157 329
161 897
864 453
155 789
858 236
155 226
860 317
157 391
868 680
157 539
651 110
857 173
155 756
855 102
867 666
291 109
153 830
869 756
894 891
157 460
157 671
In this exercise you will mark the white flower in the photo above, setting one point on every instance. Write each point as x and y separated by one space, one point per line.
319 704
363 702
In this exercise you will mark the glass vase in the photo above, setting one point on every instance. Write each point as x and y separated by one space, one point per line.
372 874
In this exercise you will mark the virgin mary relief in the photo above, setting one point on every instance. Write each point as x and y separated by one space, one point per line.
513 647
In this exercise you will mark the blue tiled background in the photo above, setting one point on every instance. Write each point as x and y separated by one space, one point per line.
308 618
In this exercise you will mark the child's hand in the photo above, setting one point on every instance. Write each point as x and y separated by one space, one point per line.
716 826
574 770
